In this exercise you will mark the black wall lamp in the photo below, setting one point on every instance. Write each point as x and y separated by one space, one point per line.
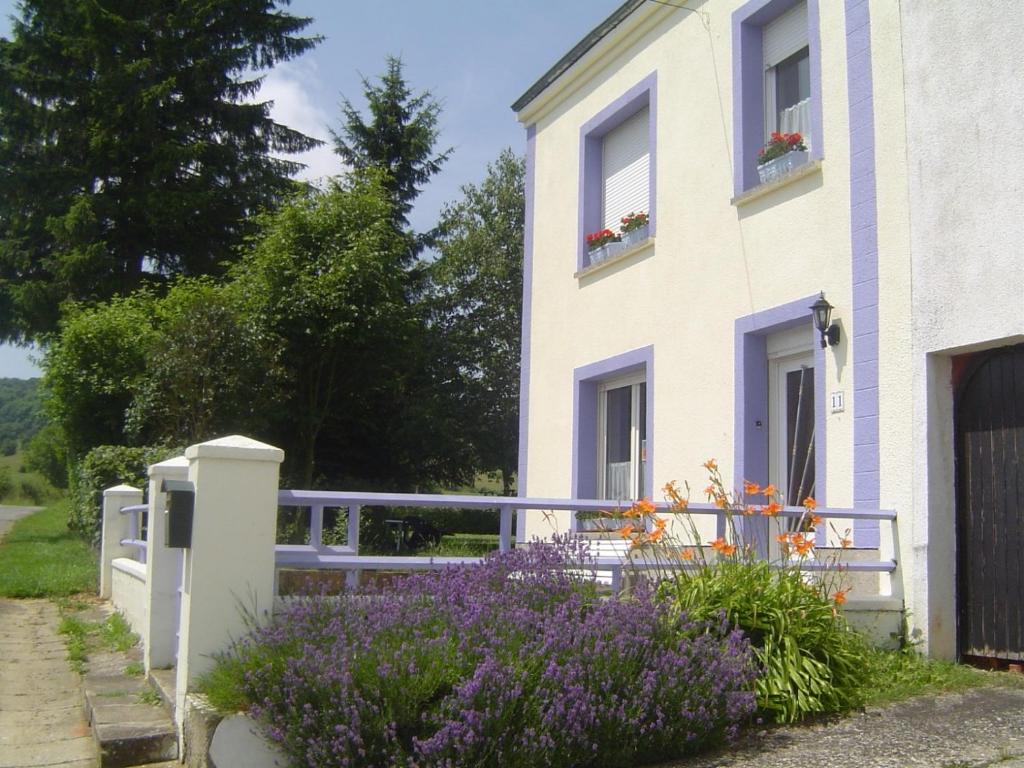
822 312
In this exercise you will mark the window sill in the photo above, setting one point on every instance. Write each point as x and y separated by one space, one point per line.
618 258
754 193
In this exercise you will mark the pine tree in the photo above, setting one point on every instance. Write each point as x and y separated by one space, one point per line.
128 152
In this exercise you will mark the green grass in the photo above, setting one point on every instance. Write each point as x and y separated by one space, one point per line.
899 675
83 636
29 489
463 545
76 638
40 557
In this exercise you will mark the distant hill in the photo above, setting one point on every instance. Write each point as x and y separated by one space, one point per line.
21 413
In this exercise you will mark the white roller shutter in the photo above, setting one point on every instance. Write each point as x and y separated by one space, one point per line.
785 35
626 171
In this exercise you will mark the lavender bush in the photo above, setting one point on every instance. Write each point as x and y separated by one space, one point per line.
512 663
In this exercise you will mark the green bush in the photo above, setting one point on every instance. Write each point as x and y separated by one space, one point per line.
6 483
34 490
46 453
810 661
103 467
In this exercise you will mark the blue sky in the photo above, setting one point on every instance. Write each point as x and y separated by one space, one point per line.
475 57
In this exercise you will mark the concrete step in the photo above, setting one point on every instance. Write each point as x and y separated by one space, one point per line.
130 728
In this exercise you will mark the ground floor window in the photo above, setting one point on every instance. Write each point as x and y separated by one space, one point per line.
622 439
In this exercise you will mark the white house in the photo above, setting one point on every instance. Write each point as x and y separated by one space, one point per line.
697 340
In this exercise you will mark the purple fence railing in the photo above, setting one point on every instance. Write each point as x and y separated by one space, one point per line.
135 512
317 555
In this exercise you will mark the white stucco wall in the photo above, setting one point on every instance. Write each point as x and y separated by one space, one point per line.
965 160
712 262
128 593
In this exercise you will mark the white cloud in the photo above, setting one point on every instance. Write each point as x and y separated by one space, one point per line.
291 86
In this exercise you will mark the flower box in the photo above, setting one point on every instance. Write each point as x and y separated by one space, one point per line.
605 252
782 166
636 236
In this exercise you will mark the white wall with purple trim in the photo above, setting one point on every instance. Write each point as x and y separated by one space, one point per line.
965 161
710 263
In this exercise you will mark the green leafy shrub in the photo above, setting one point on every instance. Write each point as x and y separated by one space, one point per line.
46 453
6 484
34 490
103 467
810 661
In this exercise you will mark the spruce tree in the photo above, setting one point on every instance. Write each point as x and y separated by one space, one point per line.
398 138
128 152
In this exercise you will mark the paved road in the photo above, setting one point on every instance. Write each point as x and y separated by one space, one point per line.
9 514
41 717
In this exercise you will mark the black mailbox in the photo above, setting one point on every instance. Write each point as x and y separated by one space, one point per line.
181 504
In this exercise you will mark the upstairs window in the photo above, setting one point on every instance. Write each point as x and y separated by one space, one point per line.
776 80
626 171
787 66
617 167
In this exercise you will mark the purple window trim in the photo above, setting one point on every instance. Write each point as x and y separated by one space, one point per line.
750 451
643 94
524 354
585 381
864 249
748 85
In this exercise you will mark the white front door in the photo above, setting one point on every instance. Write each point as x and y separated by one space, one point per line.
791 395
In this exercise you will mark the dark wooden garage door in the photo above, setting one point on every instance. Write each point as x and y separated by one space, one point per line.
990 504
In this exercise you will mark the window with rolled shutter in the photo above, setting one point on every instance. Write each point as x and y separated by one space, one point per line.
785 35
626 170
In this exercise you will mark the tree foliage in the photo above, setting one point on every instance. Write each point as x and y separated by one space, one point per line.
398 138
127 149
91 370
323 275
21 414
210 370
478 290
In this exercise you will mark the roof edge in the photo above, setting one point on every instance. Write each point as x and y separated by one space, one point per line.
578 51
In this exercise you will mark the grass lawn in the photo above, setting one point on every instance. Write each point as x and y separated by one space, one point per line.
40 557
899 675
23 488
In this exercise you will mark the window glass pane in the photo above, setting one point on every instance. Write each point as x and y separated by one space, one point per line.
642 429
799 435
792 80
618 413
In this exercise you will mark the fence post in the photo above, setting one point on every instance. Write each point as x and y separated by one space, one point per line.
115 528
163 572
229 570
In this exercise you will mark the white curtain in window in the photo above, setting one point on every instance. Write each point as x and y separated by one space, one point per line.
626 171
797 119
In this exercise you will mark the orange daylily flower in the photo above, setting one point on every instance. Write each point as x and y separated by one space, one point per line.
840 596
720 546
815 519
626 531
686 554
751 489
656 535
771 509
643 507
769 490
709 491
845 543
810 503
710 465
748 510
660 523
782 538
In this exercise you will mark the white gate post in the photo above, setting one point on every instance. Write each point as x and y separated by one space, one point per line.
163 571
229 569
115 528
